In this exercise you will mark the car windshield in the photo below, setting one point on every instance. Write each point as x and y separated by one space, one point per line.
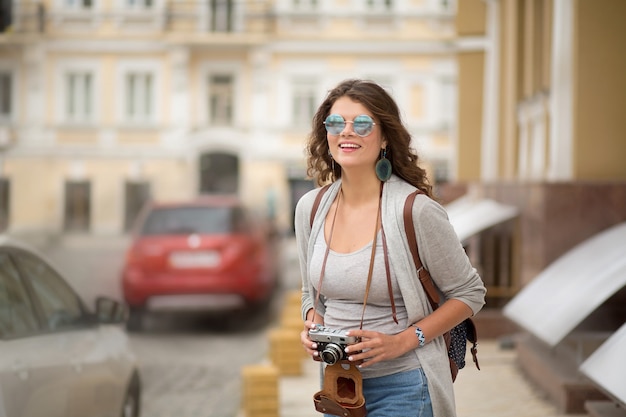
185 220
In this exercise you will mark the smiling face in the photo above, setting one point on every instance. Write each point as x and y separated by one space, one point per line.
348 149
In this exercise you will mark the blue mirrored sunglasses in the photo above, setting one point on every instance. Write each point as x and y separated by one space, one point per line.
362 125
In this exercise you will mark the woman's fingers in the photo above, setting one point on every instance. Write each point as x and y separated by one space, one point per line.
309 346
374 347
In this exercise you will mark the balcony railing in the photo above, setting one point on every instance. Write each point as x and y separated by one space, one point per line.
224 17
213 16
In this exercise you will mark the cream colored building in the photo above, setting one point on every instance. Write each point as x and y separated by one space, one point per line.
106 103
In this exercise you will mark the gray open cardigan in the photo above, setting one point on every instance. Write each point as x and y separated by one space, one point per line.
441 253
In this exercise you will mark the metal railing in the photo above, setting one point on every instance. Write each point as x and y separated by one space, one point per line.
213 16
199 17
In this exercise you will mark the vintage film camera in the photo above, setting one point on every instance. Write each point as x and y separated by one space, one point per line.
331 343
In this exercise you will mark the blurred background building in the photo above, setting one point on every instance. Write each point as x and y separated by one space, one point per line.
541 129
108 103
516 105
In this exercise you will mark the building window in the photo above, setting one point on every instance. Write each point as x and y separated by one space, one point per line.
79 91
5 195
139 4
448 102
221 15
6 15
379 5
304 103
221 97
441 171
6 95
17 313
304 4
79 4
137 193
77 206
139 106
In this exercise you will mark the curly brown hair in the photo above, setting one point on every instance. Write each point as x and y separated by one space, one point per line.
403 158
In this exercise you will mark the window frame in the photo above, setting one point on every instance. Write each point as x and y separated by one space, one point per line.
5 114
309 86
305 5
87 320
13 75
33 308
139 5
207 70
5 202
217 10
138 95
85 317
225 105
380 6
66 69
78 5
146 67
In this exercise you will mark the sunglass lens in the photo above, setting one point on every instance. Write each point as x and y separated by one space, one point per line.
335 124
363 125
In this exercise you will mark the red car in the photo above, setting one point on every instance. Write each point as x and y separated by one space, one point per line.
203 255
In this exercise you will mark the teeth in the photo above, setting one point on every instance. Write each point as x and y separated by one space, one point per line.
349 145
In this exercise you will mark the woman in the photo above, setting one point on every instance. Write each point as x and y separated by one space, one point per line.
404 365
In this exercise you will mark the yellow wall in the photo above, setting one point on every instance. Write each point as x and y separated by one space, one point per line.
470 18
600 95
470 115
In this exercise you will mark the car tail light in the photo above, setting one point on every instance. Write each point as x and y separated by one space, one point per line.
239 250
144 255
133 256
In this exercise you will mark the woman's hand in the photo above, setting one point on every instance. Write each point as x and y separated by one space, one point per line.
376 347
309 346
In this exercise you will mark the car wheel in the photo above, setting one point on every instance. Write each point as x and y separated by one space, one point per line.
131 405
135 319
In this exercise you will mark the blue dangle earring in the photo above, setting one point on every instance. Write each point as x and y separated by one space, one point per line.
383 166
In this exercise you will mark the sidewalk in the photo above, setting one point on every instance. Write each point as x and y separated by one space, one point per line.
497 390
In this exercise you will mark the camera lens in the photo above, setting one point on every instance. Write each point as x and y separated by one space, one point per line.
331 353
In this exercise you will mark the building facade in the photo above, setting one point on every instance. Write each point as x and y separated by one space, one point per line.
108 103
540 127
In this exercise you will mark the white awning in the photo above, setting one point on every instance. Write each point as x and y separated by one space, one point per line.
572 287
607 367
470 216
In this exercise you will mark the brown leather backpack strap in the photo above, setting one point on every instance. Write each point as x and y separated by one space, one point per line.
429 285
409 230
316 203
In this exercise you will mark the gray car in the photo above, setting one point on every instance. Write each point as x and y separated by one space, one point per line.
58 358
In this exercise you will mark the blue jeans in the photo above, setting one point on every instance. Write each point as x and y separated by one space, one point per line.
404 394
